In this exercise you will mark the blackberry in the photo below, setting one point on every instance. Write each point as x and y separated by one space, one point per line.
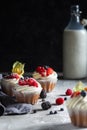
43 94
46 105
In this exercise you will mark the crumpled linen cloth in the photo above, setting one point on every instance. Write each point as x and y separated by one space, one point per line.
18 109
9 106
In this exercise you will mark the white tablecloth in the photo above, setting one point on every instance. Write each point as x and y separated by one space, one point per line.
41 120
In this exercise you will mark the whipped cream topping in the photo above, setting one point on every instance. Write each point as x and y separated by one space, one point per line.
77 103
14 80
51 76
7 82
78 100
26 89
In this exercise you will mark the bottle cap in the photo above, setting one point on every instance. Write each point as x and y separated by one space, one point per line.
75 10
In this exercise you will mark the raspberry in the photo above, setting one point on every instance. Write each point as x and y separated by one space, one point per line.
41 70
49 71
14 75
22 82
35 84
59 101
11 76
28 81
38 68
32 82
68 92
44 70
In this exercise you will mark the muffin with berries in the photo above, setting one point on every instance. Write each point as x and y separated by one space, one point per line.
8 80
46 76
77 106
27 90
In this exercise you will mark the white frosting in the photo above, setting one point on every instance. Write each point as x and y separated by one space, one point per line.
8 82
77 103
26 89
51 77
14 80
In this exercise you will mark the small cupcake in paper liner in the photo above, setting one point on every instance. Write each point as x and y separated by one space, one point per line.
46 76
77 105
27 90
8 80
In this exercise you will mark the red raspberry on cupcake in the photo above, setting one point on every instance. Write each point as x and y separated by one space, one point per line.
44 70
28 81
27 90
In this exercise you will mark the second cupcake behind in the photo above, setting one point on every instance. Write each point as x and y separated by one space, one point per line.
46 76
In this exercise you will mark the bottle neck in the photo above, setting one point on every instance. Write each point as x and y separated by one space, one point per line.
75 19
74 22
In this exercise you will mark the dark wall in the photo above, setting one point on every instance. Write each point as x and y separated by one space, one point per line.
32 30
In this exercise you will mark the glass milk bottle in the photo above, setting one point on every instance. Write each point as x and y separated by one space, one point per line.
75 47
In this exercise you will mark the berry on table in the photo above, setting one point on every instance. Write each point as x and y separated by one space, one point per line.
61 109
46 105
68 92
59 101
34 111
55 112
65 98
51 112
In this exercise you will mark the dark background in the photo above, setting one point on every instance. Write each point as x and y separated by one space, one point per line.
32 32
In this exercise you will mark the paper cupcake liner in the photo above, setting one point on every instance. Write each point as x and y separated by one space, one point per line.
8 89
47 85
26 98
78 118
